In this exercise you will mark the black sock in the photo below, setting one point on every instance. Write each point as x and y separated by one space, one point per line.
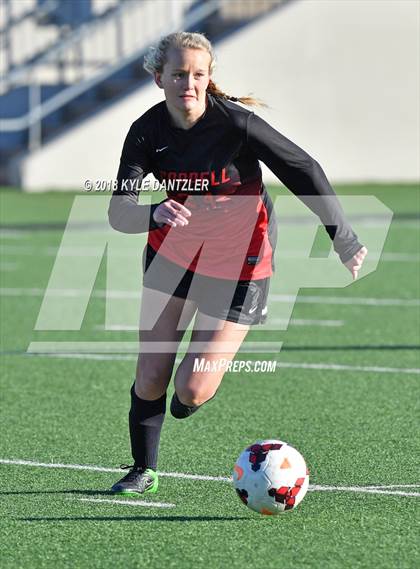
179 410
145 420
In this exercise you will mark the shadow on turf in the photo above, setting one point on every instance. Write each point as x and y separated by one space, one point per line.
114 518
84 492
139 518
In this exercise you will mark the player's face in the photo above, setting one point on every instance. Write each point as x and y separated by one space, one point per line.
185 79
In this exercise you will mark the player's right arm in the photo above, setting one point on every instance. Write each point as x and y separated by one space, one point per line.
124 213
172 213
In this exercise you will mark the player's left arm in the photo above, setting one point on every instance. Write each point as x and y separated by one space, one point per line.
305 178
356 262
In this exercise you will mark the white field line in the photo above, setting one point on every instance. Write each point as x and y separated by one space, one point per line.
373 222
51 251
8 267
313 488
115 328
362 489
399 257
400 224
97 357
363 221
105 469
327 367
382 257
283 298
69 251
116 347
389 486
292 322
14 234
307 322
354 301
340 367
134 502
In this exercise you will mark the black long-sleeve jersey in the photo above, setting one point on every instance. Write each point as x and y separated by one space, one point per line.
215 164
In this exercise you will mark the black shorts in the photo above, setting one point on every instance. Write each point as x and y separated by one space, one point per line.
244 302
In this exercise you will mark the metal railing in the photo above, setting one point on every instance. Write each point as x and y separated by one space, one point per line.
40 11
61 52
14 29
139 16
38 110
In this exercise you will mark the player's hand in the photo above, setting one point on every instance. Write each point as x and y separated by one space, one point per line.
356 262
172 213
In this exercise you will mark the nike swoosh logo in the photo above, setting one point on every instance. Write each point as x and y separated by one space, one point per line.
253 309
160 149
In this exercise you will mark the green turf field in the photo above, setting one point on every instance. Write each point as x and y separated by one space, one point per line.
345 393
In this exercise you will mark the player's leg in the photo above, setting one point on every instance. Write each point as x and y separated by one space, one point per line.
214 343
225 313
163 322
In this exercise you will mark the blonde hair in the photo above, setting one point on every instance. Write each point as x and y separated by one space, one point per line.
156 57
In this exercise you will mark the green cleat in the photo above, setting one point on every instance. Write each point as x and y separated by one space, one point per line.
137 481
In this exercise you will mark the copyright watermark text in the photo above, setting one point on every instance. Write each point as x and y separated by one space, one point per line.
175 185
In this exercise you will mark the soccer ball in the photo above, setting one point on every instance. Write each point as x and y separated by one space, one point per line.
271 477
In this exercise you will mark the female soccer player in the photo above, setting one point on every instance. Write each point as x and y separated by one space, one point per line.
211 242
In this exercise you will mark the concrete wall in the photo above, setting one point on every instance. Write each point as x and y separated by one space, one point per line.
341 78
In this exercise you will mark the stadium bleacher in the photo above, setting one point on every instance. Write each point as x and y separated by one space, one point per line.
63 61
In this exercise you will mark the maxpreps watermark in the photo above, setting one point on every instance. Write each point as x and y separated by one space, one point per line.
204 365
89 239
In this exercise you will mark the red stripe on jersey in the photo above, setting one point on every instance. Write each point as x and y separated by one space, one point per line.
226 236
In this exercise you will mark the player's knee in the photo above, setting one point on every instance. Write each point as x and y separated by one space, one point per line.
193 396
150 384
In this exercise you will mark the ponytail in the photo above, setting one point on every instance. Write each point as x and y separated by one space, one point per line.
213 89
